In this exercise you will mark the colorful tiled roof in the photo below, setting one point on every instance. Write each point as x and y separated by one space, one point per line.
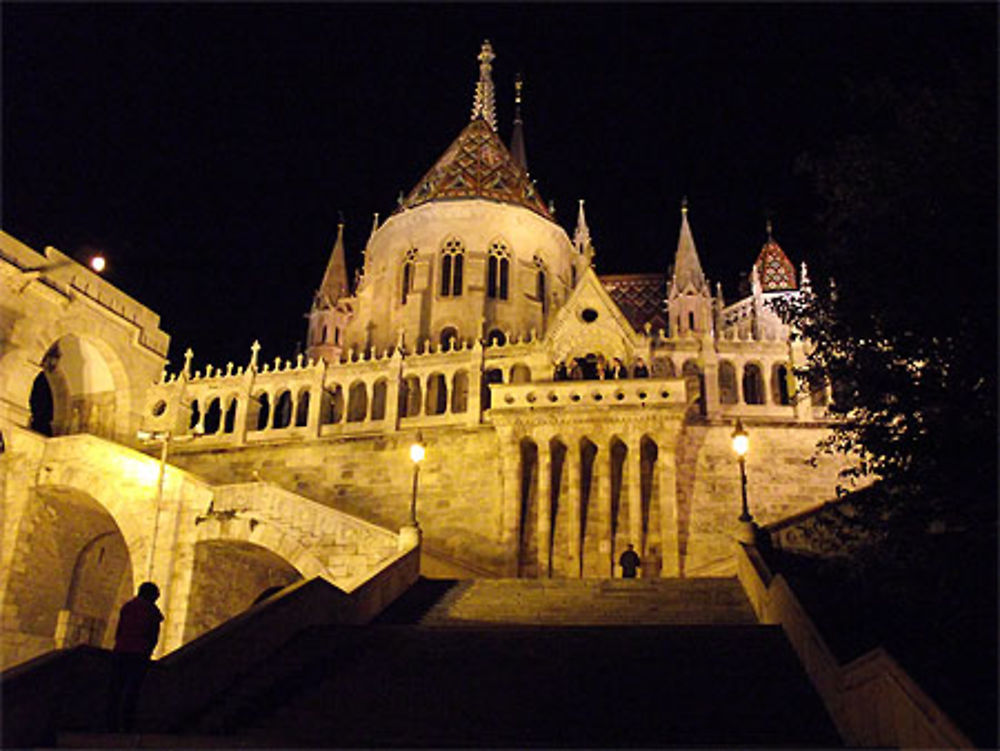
477 165
776 272
639 297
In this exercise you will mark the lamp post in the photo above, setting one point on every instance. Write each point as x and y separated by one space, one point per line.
416 456
741 444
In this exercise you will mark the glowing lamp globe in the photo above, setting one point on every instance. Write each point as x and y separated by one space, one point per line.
416 453
98 263
741 441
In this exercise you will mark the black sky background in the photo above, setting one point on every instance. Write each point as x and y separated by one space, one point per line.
207 149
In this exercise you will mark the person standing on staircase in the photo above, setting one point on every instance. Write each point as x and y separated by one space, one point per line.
136 637
629 562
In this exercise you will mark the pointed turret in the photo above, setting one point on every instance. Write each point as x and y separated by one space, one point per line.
517 135
334 284
581 236
777 274
688 276
478 164
483 103
689 298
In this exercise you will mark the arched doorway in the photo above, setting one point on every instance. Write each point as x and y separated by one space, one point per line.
70 574
230 576
77 379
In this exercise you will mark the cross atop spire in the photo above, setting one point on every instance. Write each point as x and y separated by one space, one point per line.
483 103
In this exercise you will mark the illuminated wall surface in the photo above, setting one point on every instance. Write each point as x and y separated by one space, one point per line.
470 300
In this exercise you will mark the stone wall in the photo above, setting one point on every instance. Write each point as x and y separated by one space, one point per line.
465 476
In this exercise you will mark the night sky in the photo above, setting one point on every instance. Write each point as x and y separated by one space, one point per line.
207 149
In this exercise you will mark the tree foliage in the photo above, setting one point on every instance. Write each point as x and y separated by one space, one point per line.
902 313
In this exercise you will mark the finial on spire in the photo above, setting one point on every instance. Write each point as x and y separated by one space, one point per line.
770 229
684 205
484 104
581 237
517 149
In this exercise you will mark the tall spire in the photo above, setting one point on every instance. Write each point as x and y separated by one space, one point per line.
517 136
687 267
334 284
581 237
484 104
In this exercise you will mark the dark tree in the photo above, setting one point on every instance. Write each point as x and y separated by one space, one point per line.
903 313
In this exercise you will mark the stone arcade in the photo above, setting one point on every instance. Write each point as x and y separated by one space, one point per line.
469 297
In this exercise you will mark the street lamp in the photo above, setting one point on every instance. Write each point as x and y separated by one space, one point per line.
741 444
416 456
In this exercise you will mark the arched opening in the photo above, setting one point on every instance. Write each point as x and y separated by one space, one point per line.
70 573
194 414
496 338
780 391
228 578
332 407
213 416
460 391
728 393
694 382
262 411
493 375
42 405
379 392
357 402
229 424
78 384
753 384
410 396
437 395
520 373
283 409
663 367
302 409
649 546
449 336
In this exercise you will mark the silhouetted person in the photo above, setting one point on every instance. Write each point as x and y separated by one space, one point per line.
629 563
618 369
560 374
136 637
575 371
640 370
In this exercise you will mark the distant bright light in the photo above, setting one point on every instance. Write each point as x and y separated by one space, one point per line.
741 441
98 263
416 453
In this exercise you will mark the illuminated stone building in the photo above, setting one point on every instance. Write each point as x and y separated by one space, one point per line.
469 300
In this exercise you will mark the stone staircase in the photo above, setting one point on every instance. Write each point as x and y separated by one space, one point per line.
576 602
527 663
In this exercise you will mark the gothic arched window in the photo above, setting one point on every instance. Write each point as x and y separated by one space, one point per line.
498 272
452 261
753 384
409 267
541 284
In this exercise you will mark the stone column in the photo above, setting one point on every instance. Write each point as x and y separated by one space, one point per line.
544 507
573 498
510 482
666 467
799 397
314 419
602 485
632 480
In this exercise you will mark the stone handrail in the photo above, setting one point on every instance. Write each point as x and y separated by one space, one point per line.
64 689
872 700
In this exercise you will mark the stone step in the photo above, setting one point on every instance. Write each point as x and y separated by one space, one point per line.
517 686
582 602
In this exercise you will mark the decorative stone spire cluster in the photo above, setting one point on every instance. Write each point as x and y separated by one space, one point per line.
484 101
